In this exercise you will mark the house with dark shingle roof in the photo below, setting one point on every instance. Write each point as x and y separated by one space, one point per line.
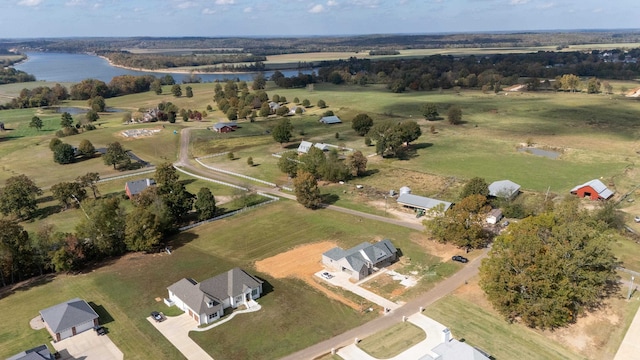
362 260
37 353
593 189
69 318
133 188
205 301
225 127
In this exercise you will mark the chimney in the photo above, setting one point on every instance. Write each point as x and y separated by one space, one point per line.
446 335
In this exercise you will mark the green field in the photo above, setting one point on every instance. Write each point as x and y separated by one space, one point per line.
126 287
392 341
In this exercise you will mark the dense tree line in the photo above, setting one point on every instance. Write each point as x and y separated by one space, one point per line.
492 71
10 75
167 61
105 230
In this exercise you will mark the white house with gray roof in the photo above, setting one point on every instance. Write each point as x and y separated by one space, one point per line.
69 318
205 302
423 203
362 260
37 353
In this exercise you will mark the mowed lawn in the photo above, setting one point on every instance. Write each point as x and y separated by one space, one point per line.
294 315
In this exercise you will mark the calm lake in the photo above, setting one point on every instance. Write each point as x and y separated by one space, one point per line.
62 67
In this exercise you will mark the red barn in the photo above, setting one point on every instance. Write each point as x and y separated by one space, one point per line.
225 127
594 190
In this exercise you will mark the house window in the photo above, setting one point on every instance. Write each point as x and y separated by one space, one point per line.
254 292
213 316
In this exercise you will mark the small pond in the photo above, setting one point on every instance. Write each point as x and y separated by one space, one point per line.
541 152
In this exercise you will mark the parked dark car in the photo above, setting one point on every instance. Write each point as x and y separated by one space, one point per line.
459 258
159 317
100 330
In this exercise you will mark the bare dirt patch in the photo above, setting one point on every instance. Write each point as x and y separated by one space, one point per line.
435 248
302 262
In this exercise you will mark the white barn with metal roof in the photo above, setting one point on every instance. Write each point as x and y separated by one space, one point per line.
423 203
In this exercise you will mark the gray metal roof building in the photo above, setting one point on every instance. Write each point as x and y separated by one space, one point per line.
421 202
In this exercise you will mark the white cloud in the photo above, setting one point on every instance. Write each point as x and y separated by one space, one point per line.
186 5
30 2
316 9
366 3
208 11
74 3
548 5
332 3
247 9
518 2
225 2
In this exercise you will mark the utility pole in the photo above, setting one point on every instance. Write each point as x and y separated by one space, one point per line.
630 288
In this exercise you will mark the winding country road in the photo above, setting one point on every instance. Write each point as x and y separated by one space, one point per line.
442 289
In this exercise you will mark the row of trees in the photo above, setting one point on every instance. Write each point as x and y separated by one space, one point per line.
105 230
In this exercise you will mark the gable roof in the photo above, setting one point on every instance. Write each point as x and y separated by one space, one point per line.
68 314
305 146
137 186
359 255
37 353
457 350
218 288
322 146
503 188
221 125
422 202
330 120
596 185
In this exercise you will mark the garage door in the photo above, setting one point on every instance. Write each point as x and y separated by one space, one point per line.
84 327
66 333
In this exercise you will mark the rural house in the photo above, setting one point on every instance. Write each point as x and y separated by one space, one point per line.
423 203
593 189
37 353
69 318
225 127
506 189
205 302
133 188
362 260
304 147
328 120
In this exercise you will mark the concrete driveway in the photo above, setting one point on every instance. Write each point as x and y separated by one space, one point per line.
341 279
176 330
432 328
88 345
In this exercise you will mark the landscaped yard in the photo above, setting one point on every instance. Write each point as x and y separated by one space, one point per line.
392 341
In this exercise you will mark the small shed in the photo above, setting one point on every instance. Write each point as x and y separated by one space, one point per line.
494 216
304 147
133 188
330 120
594 190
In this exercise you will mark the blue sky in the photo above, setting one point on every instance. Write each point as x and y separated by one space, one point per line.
54 18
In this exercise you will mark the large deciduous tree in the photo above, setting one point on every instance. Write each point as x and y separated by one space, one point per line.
409 131
15 252
66 121
36 122
462 224
475 186
18 197
282 131
86 148
306 189
454 115
205 204
68 193
430 111
64 154
176 90
550 268
388 140
362 123
357 163
143 230
103 228
116 155
288 163
90 180
97 104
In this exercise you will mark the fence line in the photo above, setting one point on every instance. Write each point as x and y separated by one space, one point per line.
273 199
235 174
126 175
211 180
213 155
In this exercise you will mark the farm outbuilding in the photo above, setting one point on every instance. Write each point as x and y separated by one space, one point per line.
69 318
330 120
422 203
594 190
504 188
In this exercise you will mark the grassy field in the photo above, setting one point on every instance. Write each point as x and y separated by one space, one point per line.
126 288
392 341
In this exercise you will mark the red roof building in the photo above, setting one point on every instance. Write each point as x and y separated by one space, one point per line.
594 190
